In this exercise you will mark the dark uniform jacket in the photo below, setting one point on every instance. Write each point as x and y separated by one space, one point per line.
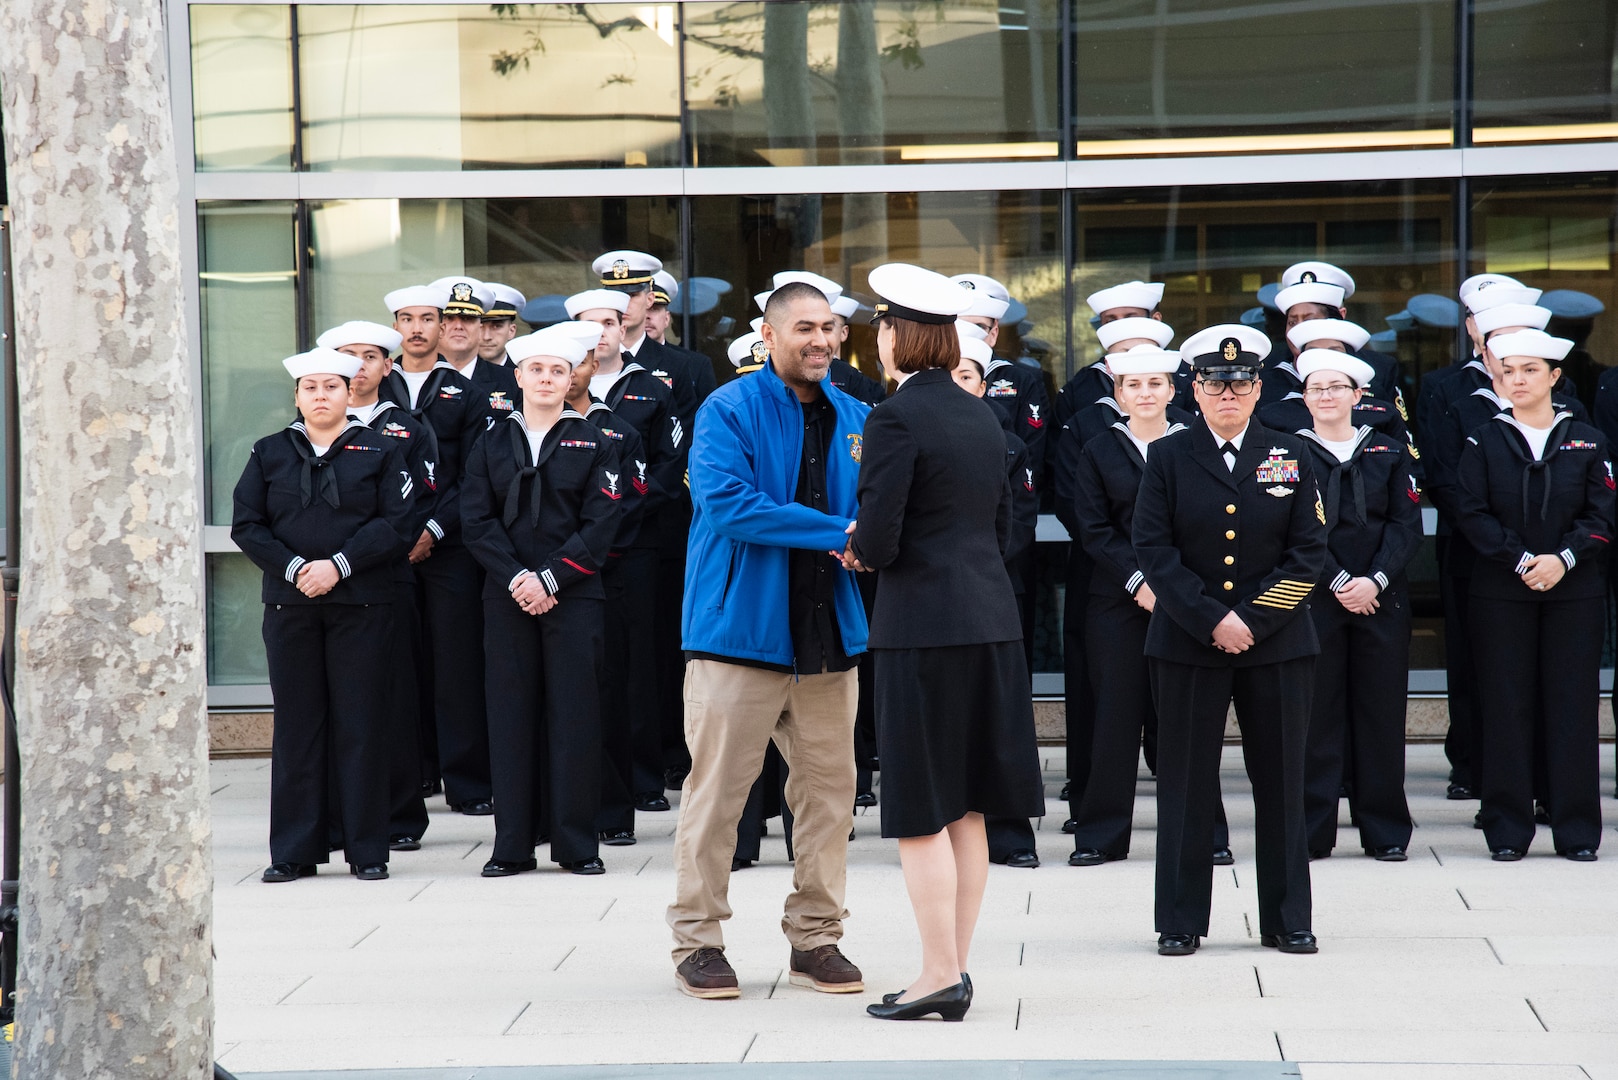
1463 416
1069 443
1291 413
855 383
1510 507
1018 391
935 515
1211 540
450 405
351 505
1280 376
1604 409
641 400
1024 482
688 376
1373 509
496 386
1104 492
419 445
632 456
557 518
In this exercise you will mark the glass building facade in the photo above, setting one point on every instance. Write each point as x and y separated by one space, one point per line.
332 152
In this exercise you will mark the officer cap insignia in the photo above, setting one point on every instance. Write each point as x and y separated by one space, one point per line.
620 269
461 291
1308 277
1231 349
761 352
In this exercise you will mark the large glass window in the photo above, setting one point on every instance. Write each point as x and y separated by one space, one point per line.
491 86
1209 76
1543 70
241 86
235 621
871 81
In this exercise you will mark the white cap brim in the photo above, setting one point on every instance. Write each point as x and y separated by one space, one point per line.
320 361
1351 334
596 300
360 332
1154 330
1310 292
1145 295
1357 371
1534 343
1504 315
416 296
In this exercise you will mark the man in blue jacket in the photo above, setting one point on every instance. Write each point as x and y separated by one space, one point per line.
772 627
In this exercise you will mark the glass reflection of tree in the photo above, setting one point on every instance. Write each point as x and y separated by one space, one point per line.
507 61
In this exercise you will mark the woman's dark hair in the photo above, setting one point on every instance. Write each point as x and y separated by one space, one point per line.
920 346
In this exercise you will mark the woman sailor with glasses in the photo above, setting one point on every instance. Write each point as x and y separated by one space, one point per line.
1361 613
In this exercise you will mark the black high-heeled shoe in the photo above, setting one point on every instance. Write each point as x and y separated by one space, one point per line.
949 1003
966 981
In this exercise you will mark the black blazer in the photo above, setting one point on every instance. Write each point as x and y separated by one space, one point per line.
935 517
1211 540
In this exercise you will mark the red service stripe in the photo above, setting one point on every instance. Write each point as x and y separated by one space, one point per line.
579 568
1603 539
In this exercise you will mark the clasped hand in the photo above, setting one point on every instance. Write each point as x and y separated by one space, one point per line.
318 578
1232 635
1359 596
531 595
846 556
1543 572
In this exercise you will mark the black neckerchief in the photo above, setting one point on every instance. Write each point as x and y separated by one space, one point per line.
315 478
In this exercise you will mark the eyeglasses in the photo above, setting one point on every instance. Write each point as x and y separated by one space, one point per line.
1332 391
1216 387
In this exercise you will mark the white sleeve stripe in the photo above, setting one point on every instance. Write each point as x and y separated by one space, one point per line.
1341 580
435 528
520 575
1136 580
549 579
293 567
1567 557
1522 563
342 564
1381 579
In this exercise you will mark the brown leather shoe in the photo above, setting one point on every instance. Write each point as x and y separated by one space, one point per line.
826 969
707 974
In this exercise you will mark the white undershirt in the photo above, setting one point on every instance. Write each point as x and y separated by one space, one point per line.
1344 449
364 413
1536 437
471 364
414 381
1230 459
320 451
600 384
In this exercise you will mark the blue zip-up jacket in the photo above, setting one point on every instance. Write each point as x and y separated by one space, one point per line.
745 453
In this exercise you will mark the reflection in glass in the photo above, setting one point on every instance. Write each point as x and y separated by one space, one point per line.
488 87
871 81
249 325
235 622
1208 76
1544 70
241 86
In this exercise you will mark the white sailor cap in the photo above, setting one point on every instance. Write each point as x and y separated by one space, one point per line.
504 301
319 361
467 295
1145 295
1536 343
412 296
825 284
1312 289
974 348
591 299
990 299
1503 315
757 325
360 332
1312 360
584 331
1143 360
1500 295
551 342
845 307
1351 334
1326 272
1486 281
1155 330
664 287
618 269
1226 346
762 298
748 352
911 292
969 329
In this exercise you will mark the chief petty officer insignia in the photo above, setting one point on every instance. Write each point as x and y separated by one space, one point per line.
498 400
856 447
1231 349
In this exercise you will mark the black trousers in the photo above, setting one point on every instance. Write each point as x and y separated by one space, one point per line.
1009 834
637 571
329 672
544 678
1272 706
1115 645
766 799
1079 695
450 588
1539 658
1464 721
669 659
865 756
1357 724
617 721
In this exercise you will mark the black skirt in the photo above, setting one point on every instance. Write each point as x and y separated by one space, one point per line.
955 734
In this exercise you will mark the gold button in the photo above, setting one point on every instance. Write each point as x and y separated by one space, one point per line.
1229 586
1230 508
1230 534
1230 560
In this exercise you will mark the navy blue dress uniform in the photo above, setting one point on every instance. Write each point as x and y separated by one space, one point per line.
1357 724
1513 502
1105 489
1328 286
328 655
855 383
1214 538
553 514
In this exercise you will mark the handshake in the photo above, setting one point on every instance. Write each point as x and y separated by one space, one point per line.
846 556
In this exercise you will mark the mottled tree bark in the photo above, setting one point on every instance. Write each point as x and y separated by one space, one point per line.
116 878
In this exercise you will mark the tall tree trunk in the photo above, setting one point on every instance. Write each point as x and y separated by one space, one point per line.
116 877
789 115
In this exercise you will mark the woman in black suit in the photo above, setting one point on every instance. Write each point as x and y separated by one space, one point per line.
955 725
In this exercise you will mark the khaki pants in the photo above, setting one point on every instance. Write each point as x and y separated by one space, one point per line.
731 713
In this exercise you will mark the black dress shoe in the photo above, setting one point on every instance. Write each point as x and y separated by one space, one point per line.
1067 790
403 843
865 798
1580 854
1089 856
1224 857
1506 854
1477 820
651 802
475 808
1022 859
1293 941
1070 826
287 871
617 837
674 778
739 864
949 1003
1391 853
1542 816
508 867
429 788
1459 793
370 871
1319 853
584 867
1178 944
